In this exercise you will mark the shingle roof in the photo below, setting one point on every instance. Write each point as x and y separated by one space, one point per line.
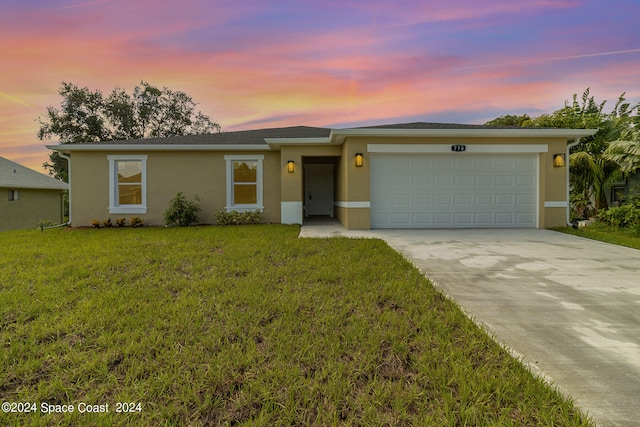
244 137
429 125
14 175
266 137
258 136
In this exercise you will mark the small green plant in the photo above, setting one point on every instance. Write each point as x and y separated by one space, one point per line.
44 223
136 222
182 211
238 218
107 223
121 222
95 223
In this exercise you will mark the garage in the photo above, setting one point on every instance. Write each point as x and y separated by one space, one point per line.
455 190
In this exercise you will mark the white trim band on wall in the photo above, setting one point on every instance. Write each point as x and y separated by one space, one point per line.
351 205
291 212
447 148
563 204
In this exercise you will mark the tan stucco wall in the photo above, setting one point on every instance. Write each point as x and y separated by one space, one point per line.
354 183
204 173
32 206
554 182
191 172
292 190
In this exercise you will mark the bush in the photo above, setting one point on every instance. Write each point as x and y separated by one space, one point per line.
121 222
182 211
136 222
238 218
624 216
581 207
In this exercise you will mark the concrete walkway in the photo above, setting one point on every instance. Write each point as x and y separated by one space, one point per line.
569 307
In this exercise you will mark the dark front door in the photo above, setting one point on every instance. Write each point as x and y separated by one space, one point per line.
318 190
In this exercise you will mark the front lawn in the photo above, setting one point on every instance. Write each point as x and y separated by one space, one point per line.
244 326
617 236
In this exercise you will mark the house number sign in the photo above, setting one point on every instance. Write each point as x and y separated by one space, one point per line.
458 148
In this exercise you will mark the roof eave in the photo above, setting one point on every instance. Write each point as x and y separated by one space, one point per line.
20 186
276 143
339 135
65 148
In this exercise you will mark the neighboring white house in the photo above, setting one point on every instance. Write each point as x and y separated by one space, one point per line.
27 196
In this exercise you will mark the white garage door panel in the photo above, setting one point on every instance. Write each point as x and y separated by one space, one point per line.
458 190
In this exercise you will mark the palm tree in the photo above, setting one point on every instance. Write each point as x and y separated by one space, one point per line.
599 160
591 171
626 151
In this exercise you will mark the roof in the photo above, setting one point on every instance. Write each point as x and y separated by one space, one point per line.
14 175
426 129
273 138
431 125
243 137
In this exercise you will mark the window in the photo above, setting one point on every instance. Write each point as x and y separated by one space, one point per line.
14 195
127 184
617 193
244 182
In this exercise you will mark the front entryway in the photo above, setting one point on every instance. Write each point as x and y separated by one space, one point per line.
318 189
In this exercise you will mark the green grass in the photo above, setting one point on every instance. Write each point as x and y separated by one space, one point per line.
246 326
621 237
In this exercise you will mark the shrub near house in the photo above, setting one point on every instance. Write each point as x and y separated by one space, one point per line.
182 211
237 218
625 216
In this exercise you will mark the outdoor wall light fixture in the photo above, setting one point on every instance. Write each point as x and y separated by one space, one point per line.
359 160
558 161
290 166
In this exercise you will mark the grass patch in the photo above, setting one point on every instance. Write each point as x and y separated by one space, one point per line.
603 233
246 326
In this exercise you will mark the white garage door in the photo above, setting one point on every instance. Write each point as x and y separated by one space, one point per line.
458 190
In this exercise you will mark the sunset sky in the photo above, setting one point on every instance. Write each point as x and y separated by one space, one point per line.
267 63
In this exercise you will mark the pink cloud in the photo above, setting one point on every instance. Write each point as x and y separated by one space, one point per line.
337 62
397 13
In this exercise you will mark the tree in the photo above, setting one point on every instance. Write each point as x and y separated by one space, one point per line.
591 169
511 120
88 116
625 150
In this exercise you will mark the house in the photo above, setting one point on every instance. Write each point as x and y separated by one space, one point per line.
416 175
620 191
27 197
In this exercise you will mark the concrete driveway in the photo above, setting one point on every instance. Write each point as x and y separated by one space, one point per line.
569 307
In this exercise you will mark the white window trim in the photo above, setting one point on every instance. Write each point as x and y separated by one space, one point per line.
259 201
114 207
